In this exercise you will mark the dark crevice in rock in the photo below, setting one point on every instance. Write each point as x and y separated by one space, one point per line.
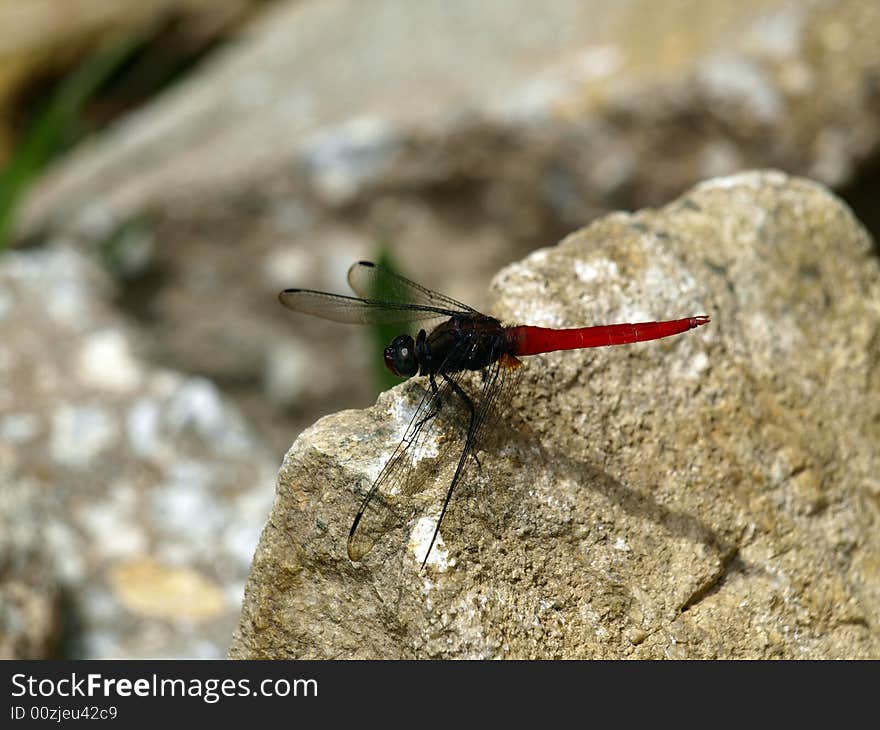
730 562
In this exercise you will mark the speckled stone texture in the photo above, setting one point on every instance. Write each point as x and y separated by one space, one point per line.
709 495
131 496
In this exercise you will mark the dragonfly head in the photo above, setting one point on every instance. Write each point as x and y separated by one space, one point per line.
400 356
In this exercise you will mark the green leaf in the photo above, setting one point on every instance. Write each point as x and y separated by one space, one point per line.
382 334
54 126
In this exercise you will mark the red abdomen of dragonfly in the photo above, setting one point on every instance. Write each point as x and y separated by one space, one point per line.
527 340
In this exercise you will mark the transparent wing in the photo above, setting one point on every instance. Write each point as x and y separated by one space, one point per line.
385 503
372 281
353 310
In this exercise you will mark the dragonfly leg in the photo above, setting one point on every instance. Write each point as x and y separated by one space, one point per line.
465 398
435 402
468 446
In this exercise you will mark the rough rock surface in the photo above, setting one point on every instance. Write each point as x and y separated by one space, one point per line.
710 495
439 129
131 496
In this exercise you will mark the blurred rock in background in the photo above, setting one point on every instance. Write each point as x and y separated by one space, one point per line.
455 137
122 532
37 41
134 493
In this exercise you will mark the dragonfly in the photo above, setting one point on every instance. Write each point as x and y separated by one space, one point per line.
462 340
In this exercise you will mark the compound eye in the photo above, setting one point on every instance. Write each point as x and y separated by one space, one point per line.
400 356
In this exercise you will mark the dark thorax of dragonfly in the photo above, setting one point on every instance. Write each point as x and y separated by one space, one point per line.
460 343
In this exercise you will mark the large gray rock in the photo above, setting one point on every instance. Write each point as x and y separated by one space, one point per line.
441 130
131 496
711 495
